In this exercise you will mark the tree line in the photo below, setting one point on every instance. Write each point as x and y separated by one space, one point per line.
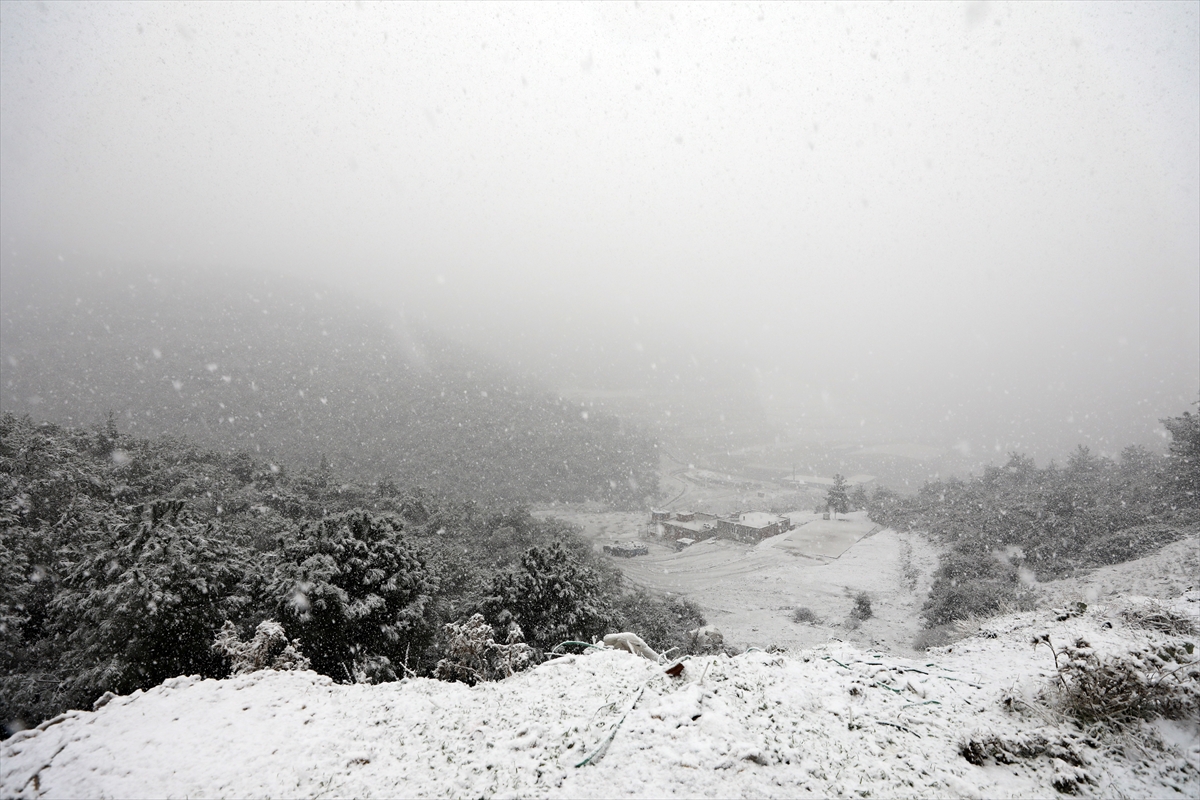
1018 523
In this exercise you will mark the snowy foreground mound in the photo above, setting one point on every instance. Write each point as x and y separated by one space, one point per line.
835 721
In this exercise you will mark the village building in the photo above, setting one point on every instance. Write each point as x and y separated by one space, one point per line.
626 549
686 525
752 526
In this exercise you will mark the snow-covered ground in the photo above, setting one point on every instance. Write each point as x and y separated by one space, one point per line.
750 592
833 721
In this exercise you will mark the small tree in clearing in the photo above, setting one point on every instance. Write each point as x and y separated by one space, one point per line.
838 499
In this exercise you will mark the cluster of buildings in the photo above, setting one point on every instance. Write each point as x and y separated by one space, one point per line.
687 527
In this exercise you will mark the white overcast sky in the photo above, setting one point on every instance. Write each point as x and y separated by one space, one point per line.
917 210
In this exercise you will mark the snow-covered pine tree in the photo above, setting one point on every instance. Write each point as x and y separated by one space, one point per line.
838 499
1183 458
552 596
355 593
142 603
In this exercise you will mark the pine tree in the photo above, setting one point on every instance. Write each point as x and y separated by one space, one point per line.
1183 458
838 498
144 602
552 596
355 594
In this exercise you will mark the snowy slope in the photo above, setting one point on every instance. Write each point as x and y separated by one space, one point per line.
835 721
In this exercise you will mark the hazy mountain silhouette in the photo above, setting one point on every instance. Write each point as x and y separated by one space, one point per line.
293 371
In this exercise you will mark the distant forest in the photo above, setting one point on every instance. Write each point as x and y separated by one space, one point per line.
122 559
300 375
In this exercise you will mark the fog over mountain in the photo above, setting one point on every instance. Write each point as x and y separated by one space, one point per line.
971 226
282 371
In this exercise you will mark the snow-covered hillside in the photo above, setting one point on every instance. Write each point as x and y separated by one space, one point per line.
833 721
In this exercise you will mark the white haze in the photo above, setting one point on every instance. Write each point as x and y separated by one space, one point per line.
972 224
